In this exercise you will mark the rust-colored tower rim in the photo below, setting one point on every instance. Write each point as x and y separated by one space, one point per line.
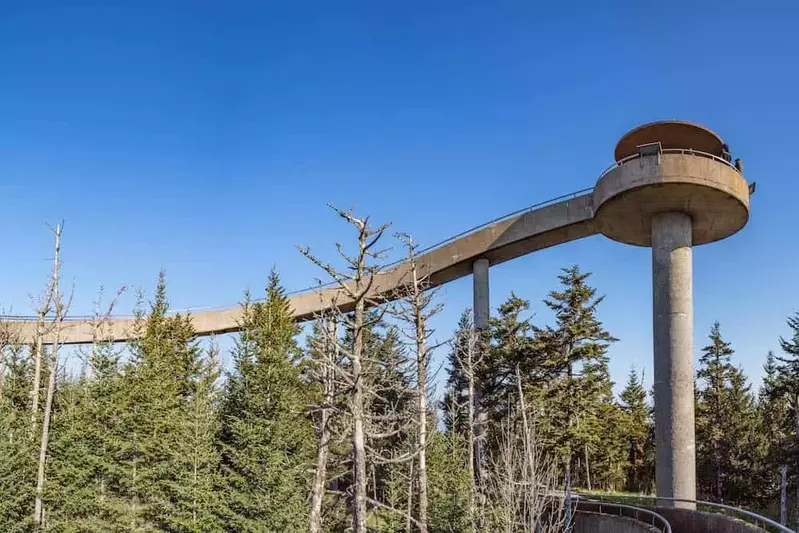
670 134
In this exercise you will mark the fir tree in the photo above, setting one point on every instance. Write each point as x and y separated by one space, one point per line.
267 440
636 430
777 429
454 405
155 403
17 444
726 430
574 354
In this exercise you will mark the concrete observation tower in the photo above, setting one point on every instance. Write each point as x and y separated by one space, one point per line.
673 187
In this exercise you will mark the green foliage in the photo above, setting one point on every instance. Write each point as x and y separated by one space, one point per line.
728 445
267 439
637 428
18 447
582 416
448 482
154 442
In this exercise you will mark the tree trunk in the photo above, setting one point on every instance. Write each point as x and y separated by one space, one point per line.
409 507
784 495
359 516
37 371
54 296
48 407
421 369
471 399
796 421
587 469
323 445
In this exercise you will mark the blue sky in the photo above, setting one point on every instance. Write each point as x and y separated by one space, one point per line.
205 138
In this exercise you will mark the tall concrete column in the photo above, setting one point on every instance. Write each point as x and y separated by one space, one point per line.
674 366
480 279
481 313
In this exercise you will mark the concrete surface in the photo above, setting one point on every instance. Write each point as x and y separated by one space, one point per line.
670 134
588 522
673 352
688 521
712 192
480 293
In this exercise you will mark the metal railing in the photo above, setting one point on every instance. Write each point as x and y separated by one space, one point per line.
685 151
738 513
640 514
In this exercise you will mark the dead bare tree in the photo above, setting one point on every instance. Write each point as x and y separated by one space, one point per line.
466 347
43 308
356 283
415 308
60 308
101 325
324 361
522 479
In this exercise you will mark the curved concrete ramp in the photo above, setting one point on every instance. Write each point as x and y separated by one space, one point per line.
498 242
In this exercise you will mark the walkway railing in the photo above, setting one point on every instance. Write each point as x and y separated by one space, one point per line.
686 151
718 508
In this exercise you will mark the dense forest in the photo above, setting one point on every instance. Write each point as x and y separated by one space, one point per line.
339 427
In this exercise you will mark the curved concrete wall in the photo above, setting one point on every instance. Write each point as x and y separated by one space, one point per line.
588 522
712 192
690 521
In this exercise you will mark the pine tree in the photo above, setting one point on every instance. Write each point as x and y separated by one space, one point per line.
714 374
513 348
787 388
449 482
267 440
155 403
574 354
454 404
17 443
83 474
636 430
198 507
726 421
777 428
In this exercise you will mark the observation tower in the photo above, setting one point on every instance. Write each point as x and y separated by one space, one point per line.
674 186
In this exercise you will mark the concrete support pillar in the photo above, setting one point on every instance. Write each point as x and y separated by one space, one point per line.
480 279
481 313
674 365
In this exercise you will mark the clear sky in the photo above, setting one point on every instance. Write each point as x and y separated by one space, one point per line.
205 138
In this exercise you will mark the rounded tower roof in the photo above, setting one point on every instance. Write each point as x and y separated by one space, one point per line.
670 134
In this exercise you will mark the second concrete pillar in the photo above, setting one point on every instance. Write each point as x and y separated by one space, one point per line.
674 365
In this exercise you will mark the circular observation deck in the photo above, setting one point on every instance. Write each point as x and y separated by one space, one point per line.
670 166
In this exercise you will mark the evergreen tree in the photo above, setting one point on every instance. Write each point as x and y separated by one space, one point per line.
513 347
777 429
726 424
574 354
637 427
83 474
156 401
267 440
786 387
454 405
17 444
449 482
